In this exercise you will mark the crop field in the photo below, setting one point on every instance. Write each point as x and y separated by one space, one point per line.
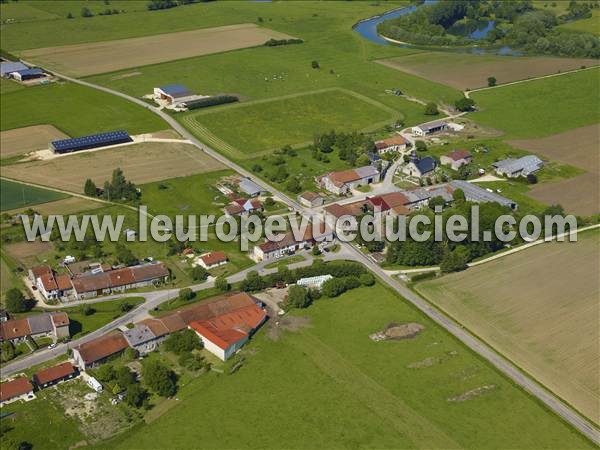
16 195
249 128
331 386
69 205
74 110
523 110
463 71
590 25
540 308
27 139
141 163
578 147
109 56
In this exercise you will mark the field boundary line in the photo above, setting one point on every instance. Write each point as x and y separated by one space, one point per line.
467 93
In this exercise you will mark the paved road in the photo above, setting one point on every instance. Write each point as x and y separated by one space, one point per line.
501 363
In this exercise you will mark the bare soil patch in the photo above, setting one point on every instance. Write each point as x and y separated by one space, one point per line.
432 360
21 251
108 56
464 71
580 148
23 140
125 75
287 323
142 163
398 331
472 393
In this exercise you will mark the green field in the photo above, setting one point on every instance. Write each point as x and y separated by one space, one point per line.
16 195
591 25
104 312
267 125
330 386
75 110
541 107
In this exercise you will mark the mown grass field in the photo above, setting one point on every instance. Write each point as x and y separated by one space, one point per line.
74 110
541 107
329 386
590 25
539 308
16 195
266 125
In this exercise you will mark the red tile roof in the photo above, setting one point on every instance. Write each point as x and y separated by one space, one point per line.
14 388
391 141
310 196
16 328
214 258
337 210
395 199
48 282
344 176
53 373
64 282
60 319
102 347
457 155
38 271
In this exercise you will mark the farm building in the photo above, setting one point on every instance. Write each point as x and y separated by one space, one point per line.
419 167
212 259
250 188
53 375
142 338
393 144
243 207
456 159
429 128
342 182
521 167
98 350
310 199
93 141
28 74
290 244
54 325
8 67
224 334
174 94
313 282
50 285
474 193
17 389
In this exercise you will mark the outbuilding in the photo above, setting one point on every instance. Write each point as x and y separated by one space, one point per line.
17 389
53 375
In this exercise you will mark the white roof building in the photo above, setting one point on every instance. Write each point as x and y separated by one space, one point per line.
313 282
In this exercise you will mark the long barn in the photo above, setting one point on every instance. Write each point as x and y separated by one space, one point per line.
92 141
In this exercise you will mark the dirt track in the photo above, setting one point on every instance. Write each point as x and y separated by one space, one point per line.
27 139
109 56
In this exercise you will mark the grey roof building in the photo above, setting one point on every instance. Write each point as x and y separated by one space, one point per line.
441 192
41 323
141 338
518 167
11 66
474 193
367 171
417 195
250 187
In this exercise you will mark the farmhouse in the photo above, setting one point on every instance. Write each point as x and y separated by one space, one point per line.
341 183
429 128
243 207
456 159
174 94
521 167
419 167
49 284
226 333
54 325
474 193
90 285
95 352
393 144
314 282
92 141
250 188
212 259
142 338
17 389
310 199
53 375
28 74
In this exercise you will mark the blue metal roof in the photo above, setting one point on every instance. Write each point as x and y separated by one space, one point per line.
426 164
10 66
175 89
95 140
34 71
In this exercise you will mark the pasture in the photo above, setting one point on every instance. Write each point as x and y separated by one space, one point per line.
578 147
540 309
24 140
74 110
16 195
465 72
540 108
330 386
141 163
69 205
109 56
590 25
264 125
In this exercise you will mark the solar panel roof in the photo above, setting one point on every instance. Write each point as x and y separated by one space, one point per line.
94 140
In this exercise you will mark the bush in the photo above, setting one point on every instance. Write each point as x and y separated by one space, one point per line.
464 104
337 286
366 279
186 294
315 65
491 81
199 273
222 284
87 310
431 109
297 297
183 341
15 301
136 395
211 101
277 42
159 378
420 146
85 12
